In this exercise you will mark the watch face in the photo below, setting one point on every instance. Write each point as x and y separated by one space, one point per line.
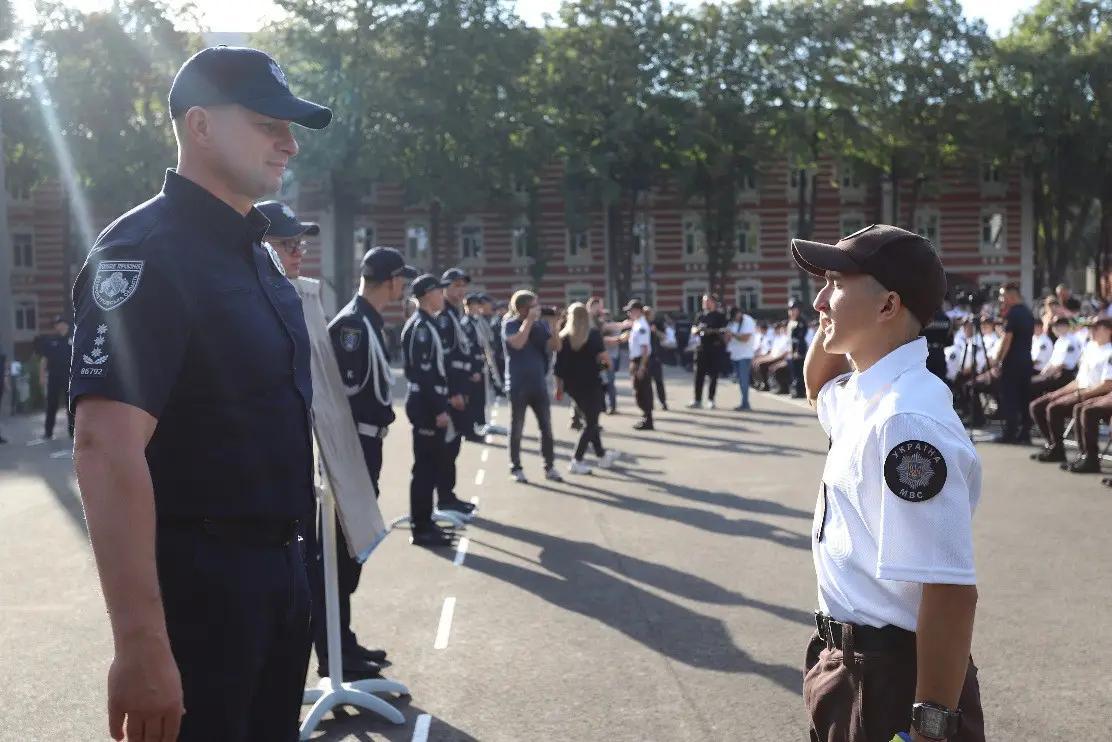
932 723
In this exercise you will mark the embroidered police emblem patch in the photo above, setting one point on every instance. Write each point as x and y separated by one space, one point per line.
915 471
274 258
349 339
422 335
115 282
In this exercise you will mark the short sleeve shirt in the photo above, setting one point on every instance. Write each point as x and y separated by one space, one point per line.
898 491
526 367
1066 353
1095 366
1020 322
1041 348
182 312
738 349
640 337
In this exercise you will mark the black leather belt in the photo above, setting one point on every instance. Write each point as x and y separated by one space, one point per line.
249 532
865 638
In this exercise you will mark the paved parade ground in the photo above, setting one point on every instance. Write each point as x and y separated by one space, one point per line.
668 599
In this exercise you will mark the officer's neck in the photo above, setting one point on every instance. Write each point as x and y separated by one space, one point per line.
377 296
215 185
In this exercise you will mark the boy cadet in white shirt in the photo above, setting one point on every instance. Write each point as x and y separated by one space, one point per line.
893 526
1041 347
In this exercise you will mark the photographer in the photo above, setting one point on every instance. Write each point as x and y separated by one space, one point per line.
709 327
528 342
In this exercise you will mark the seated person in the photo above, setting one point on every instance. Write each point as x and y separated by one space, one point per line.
776 359
1041 347
1062 366
1087 418
1094 379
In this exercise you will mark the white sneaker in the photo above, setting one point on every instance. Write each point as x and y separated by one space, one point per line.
518 475
609 459
496 430
708 405
579 467
552 475
693 404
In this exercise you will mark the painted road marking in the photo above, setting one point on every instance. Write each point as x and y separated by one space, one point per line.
421 728
461 551
479 477
445 627
484 455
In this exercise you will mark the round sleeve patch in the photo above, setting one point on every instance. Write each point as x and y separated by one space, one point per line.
915 471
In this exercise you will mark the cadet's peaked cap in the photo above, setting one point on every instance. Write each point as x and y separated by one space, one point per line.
425 283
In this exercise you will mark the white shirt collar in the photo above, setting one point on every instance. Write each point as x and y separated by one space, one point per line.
882 373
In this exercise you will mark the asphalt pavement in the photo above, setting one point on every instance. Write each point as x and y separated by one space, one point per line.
669 598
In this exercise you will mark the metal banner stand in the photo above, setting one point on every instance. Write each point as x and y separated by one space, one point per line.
333 691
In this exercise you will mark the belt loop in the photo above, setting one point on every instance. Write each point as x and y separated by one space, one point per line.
848 658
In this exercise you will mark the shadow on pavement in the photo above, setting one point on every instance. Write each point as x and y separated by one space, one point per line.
348 724
688 440
581 582
721 499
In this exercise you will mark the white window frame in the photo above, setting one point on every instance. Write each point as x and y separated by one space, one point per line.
748 286
479 256
415 254
18 304
931 213
793 229
576 292
793 187
696 289
695 220
993 178
850 185
23 232
519 238
1001 246
17 192
582 254
370 198
644 230
749 191
360 244
856 216
752 236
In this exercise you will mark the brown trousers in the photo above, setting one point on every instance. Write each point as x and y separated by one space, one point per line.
1087 417
867 696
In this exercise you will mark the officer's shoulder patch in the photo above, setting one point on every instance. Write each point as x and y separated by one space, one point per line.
349 338
116 281
422 334
443 319
915 471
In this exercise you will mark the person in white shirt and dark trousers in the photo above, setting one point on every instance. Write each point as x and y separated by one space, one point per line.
640 356
740 348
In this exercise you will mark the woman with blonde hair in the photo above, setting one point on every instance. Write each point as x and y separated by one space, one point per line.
580 360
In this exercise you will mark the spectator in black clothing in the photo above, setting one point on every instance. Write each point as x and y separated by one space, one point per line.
1067 300
708 354
3 383
799 332
581 359
56 349
1014 366
656 364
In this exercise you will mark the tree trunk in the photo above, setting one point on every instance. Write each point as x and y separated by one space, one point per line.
894 179
7 307
1038 199
343 242
804 217
913 203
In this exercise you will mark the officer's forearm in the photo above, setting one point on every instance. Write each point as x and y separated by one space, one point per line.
118 496
943 638
819 367
1093 392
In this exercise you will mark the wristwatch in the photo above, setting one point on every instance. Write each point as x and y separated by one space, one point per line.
935 722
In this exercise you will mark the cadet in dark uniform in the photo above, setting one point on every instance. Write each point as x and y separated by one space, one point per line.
476 327
55 350
364 364
426 406
463 374
192 390
797 331
3 384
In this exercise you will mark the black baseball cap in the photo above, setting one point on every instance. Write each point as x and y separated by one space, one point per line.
455 274
900 261
284 224
633 304
222 75
426 282
384 263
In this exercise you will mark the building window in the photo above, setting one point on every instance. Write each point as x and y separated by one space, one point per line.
371 196
748 295
693 293
750 190
574 292
18 189
993 180
993 232
519 237
642 237
364 240
471 240
26 317
23 250
694 239
849 179
747 235
927 223
851 222
579 244
793 183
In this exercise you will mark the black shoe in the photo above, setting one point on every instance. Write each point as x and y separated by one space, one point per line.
1107 481
1085 466
353 670
664 406
430 535
458 506
612 411
576 425
378 656
1050 455
644 425
3 440
474 438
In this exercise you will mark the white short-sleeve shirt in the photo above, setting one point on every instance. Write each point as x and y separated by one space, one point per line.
1095 366
1066 353
737 349
640 337
901 482
1041 349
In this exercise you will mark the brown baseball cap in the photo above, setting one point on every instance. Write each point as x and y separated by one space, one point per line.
900 261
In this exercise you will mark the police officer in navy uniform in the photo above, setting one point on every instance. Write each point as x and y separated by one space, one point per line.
476 326
797 331
55 349
364 363
191 386
940 335
463 375
426 406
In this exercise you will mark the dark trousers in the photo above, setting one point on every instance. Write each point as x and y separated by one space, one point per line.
446 481
238 621
430 457
656 370
589 403
476 407
1087 417
348 568
56 389
797 386
536 400
1043 383
1050 412
705 367
643 390
1013 396
867 697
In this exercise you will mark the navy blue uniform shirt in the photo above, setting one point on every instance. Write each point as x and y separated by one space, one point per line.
458 357
1021 323
181 312
364 363
425 369
56 350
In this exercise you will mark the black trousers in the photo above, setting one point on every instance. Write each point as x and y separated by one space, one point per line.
348 569
656 370
705 366
798 388
643 390
589 403
536 399
446 481
238 621
56 389
431 456
476 406
1014 396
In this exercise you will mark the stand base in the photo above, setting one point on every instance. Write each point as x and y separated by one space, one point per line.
328 695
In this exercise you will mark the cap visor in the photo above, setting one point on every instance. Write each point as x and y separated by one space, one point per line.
817 258
311 229
409 272
292 108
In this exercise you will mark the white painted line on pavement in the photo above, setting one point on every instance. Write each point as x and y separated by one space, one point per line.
484 455
489 439
62 455
475 501
479 477
421 728
38 442
461 551
445 627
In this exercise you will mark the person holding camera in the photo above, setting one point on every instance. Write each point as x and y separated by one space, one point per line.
528 342
1013 366
709 327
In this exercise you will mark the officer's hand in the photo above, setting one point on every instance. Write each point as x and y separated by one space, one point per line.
534 313
144 686
476 377
456 402
442 420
